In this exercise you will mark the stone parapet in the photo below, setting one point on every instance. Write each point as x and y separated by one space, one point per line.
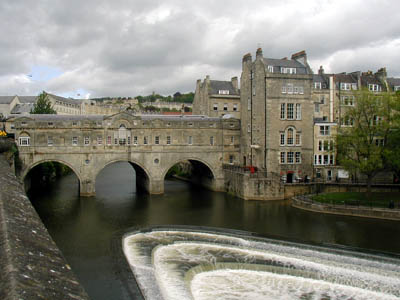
304 202
31 265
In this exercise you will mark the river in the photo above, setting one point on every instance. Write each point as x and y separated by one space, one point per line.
83 228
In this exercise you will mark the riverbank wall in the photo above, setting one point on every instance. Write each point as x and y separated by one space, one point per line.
31 265
304 202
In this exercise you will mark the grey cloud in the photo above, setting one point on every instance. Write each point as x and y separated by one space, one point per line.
127 47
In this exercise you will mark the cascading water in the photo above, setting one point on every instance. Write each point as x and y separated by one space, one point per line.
189 264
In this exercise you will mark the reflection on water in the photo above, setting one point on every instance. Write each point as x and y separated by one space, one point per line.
84 227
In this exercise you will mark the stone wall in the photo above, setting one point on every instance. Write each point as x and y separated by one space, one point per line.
358 211
31 265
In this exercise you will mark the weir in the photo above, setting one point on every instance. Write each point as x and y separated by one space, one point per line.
178 263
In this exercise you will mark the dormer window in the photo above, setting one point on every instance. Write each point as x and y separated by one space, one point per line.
374 87
317 85
223 92
285 70
345 86
271 69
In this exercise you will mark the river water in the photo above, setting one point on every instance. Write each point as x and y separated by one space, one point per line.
84 228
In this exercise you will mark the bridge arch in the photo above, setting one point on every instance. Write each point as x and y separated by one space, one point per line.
31 166
202 173
143 178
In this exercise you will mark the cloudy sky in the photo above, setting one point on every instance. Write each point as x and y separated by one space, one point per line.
94 48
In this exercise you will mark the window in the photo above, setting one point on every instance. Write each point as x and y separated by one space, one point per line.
74 123
74 141
298 139
322 99
347 100
234 107
23 123
320 146
145 140
345 86
50 141
298 157
168 140
99 140
331 160
326 159
320 159
86 141
301 90
324 130
290 157
290 136
283 110
129 140
231 158
380 142
282 140
376 120
24 141
232 139
347 121
316 107
374 87
296 90
109 140
290 111
248 128
225 106
282 157
249 104
284 89
223 92
290 88
157 140
396 88
354 86
135 140
285 70
190 140
211 140
298 111
271 69
317 85
50 124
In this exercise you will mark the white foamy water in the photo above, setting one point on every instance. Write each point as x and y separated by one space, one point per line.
195 265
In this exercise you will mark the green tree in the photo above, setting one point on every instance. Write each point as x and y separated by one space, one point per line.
43 105
362 146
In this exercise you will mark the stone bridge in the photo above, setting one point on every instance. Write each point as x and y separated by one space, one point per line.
152 144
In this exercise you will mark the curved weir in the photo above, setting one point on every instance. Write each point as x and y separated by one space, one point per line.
180 264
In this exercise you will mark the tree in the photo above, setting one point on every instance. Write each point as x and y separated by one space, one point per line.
362 147
43 105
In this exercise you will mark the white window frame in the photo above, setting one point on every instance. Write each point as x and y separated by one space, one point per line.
297 157
74 141
157 140
298 111
24 141
283 111
50 141
215 107
99 140
86 140
190 140
168 140
290 114
317 85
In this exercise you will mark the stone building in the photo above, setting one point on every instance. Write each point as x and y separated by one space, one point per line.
217 98
277 115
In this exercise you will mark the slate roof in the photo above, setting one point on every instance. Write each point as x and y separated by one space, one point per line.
6 99
54 117
22 108
217 85
393 81
324 79
27 99
345 78
369 79
287 63
66 100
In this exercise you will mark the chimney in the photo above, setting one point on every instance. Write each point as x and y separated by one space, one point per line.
301 57
207 78
321 71
259 53
234 81
382 77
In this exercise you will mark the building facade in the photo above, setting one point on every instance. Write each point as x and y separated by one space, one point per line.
217 98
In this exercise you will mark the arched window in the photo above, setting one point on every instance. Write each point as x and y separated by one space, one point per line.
24 139
290 134
122 134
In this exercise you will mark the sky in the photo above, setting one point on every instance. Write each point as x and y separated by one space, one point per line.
99 48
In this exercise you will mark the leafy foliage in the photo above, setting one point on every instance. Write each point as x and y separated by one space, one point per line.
43 105
362 147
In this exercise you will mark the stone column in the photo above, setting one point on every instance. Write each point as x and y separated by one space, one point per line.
87 188
156 186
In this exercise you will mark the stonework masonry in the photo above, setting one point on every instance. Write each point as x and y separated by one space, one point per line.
31 265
